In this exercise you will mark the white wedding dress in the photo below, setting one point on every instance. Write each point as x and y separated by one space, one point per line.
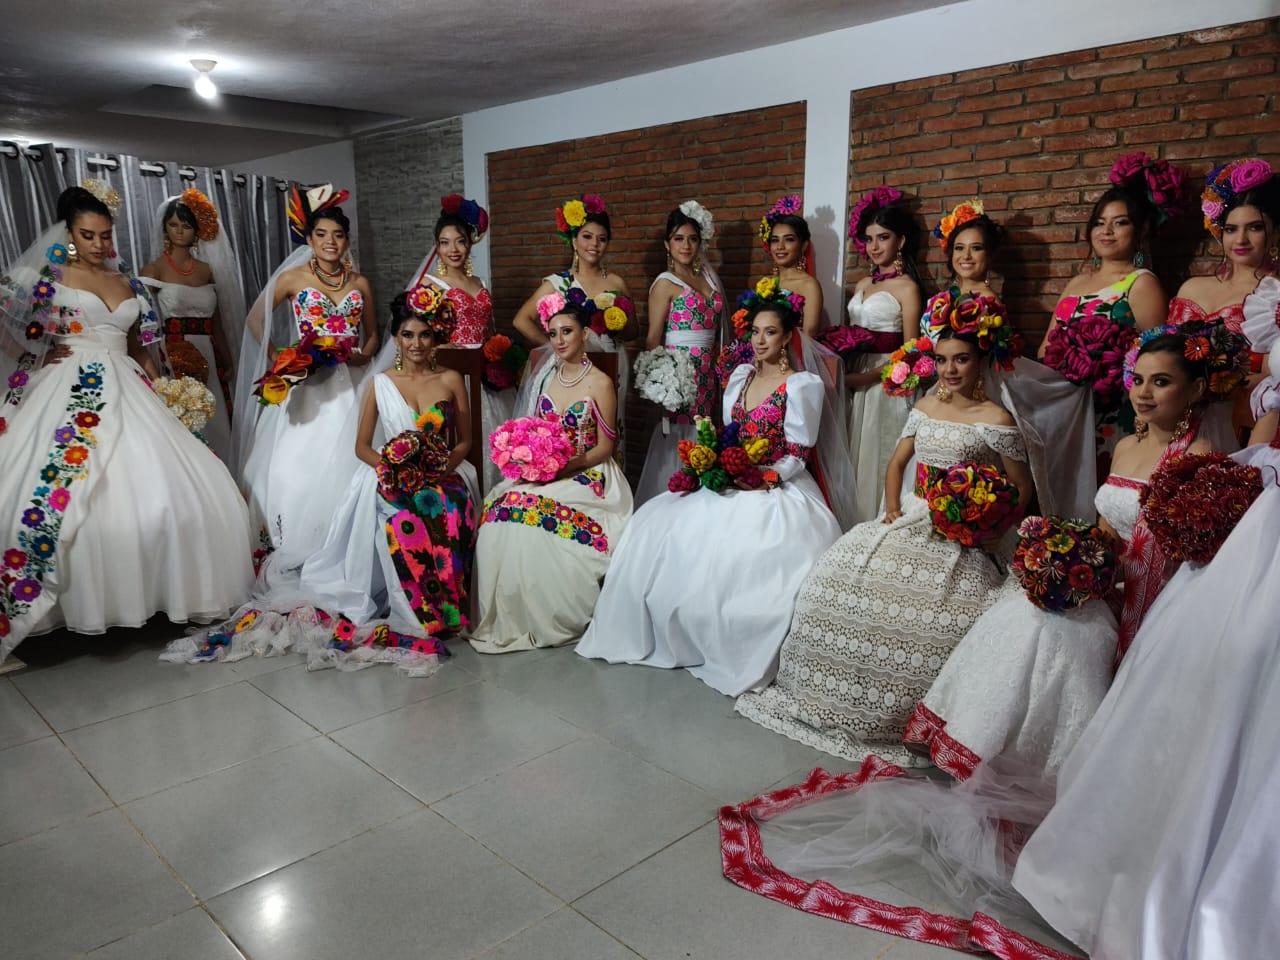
186 317
110 510
1163 841
707 581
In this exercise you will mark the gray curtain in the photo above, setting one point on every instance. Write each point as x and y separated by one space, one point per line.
251 208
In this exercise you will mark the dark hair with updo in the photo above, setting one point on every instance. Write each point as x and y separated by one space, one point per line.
74 201
1265 196
577 314
896 217
676 219
790 319
332 213
177 208
948 332
1175 344
1141 211
455 221
992 237
600 219
795 222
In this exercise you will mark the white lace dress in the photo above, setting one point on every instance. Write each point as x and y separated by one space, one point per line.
1024 682
875 418
880 613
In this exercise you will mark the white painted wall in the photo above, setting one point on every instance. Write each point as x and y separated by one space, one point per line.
327 163
823 70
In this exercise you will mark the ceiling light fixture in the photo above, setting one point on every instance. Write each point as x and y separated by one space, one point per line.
203 85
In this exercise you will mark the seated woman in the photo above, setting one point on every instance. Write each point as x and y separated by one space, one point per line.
882 610
110 510
670 599
390 577
543 548
1024 682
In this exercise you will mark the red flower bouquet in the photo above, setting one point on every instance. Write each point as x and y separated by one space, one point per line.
1062 564
969 503
1193 502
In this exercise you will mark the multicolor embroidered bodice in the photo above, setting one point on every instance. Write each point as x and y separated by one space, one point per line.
314 312
767 419
474 316
690 310
692 326
1111 302
581 419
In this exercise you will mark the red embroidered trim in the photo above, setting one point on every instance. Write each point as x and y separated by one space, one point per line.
743 862
1126 483
927 732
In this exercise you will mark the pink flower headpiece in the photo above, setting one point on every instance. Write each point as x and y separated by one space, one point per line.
572 214
789 206
1160 181
548 307
1225 184
872 200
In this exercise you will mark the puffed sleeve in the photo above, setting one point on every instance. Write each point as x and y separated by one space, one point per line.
737 380
800 423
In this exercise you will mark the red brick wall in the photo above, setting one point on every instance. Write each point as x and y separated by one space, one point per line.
733 164
1036 140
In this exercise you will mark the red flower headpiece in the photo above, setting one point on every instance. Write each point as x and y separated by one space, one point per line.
1160 181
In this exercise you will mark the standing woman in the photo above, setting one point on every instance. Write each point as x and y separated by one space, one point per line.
200 302
110 510
785 235
887 305
543 548
461 225
1241 207
1115 293
296 456
686 303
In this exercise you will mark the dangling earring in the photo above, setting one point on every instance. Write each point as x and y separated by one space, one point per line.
467 268
442 268
979 394
1223 270
942 393
1140 429
399 361
1183 426
775 269
1139 259
347 262
697 267
671 263
168 245
574 268
784 364
73 255
604 270
898 265
1096 262
804 263
431 358
1274 255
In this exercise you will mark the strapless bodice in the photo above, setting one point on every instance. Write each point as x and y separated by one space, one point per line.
1118 502
880 311
181 300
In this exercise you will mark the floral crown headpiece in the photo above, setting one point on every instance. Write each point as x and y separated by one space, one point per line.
205 213
302 206
474 215
1225 354
966 212
572 214
1223 188
702 217
768 292
1160 181
104 192
429 304
870 201
984 318
606 312
789 206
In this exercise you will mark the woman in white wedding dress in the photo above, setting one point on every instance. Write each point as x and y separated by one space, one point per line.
200 303
670 600
1024 682
110 510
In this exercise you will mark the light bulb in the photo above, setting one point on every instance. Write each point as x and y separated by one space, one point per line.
205 87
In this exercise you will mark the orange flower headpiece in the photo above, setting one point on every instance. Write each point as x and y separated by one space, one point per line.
964 213
205 213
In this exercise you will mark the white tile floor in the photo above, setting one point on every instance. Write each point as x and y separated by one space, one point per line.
529 806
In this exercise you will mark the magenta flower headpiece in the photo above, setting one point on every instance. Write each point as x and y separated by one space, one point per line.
883 196
1161 182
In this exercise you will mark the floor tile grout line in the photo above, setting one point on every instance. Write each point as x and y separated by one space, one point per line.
644 859
605 931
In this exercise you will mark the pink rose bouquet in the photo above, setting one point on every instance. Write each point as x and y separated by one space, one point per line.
530 449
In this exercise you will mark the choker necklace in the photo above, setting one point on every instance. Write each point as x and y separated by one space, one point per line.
191 265
880 276
586 368
326 277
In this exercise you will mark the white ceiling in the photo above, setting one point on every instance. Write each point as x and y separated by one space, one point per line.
113 74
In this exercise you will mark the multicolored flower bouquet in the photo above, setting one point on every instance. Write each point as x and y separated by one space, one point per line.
666 377
1091 348
504 362
1193 502
1063 564
294 364
413 459
718 461
969 503
530 449
910 368
187 399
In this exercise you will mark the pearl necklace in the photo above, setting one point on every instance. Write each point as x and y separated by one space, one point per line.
586 368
